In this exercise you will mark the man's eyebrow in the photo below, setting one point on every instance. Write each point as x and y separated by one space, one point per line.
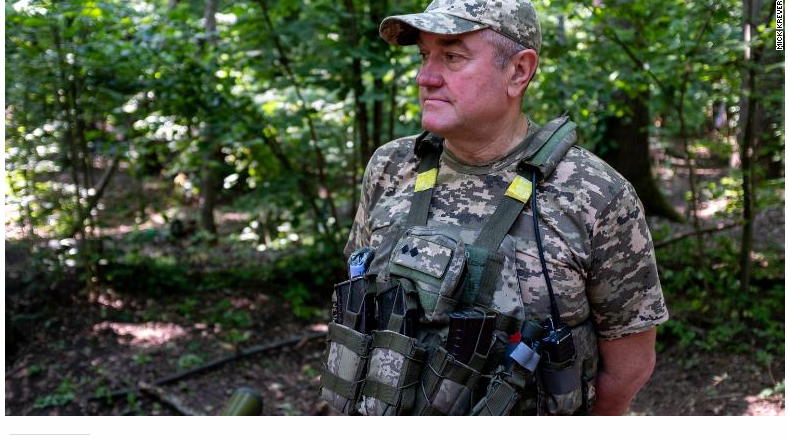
447 42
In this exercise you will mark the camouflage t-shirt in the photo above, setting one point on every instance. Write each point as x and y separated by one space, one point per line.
597 245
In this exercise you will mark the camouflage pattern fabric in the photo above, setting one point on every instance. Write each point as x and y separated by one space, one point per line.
515 19
452 398
597 244
423 255
345 364
434 260
385 366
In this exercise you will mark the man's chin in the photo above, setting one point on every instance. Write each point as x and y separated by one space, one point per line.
435 127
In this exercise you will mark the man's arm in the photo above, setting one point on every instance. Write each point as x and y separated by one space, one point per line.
625 366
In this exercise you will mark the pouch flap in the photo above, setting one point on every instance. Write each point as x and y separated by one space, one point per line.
423 255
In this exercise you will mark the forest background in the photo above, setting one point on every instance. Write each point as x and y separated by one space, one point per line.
181 176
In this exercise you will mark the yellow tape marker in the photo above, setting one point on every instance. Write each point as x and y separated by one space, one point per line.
520 189
426 180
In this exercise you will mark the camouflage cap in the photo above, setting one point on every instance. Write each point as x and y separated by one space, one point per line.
515 19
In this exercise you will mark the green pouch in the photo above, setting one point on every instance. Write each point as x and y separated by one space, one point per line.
560 386
447 385
345 368
393 376
500 399
492 282
434 260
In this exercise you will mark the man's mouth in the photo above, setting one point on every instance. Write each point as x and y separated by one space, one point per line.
434 100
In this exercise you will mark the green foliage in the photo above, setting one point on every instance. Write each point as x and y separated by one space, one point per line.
34 370
141 358
189 360
140 81
709 311
229 317
63 395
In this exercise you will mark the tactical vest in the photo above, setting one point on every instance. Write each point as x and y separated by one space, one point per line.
434 326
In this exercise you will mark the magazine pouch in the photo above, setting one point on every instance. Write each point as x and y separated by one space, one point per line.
348 343
447 384
395 364
343 375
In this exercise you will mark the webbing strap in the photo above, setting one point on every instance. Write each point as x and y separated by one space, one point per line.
381 391
393 341
343 387
424 187
354 341
496 228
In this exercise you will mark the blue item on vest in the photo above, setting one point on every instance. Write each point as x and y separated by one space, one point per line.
359 260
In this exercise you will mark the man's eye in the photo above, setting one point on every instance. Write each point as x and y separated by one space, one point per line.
452 57
422 55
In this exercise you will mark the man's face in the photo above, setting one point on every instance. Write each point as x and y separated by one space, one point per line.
460 88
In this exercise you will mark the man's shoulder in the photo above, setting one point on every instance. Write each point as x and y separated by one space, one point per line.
584 172
392 156
398 149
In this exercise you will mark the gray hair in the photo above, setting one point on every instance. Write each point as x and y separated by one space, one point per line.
504 48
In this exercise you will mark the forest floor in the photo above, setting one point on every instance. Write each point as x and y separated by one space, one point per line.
65 367
67 361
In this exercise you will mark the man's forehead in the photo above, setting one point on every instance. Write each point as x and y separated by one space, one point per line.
443 40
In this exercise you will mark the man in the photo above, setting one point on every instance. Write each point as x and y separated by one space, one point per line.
478 58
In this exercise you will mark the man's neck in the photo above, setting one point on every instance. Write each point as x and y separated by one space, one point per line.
492 144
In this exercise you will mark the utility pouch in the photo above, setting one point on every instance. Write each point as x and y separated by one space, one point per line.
454 371
395 364
348 343
447 386
500 398
343 375
434 260
492 282
560 386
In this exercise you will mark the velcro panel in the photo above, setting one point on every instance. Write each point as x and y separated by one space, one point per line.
423 256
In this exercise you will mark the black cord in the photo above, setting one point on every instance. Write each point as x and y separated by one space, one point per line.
553 305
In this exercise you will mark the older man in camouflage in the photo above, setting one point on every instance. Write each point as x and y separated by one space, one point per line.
478 58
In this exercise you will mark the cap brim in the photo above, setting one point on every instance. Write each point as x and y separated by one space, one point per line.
403 30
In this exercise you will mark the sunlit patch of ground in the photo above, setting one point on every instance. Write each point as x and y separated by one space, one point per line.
772 406
145 334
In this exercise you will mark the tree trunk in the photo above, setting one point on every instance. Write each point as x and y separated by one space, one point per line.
209 158
362 117
625 148
747 136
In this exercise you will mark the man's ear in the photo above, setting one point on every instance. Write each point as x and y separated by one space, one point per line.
522 67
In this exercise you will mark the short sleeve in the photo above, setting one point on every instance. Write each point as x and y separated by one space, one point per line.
623 283
360 232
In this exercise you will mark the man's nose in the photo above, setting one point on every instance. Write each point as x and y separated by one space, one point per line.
428 79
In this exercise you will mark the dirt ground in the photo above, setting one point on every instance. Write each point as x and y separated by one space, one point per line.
94 354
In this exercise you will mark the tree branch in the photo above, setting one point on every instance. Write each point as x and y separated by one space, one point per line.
93 201
253 350
285 63
710 230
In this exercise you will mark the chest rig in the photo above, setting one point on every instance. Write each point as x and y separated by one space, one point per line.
425 330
